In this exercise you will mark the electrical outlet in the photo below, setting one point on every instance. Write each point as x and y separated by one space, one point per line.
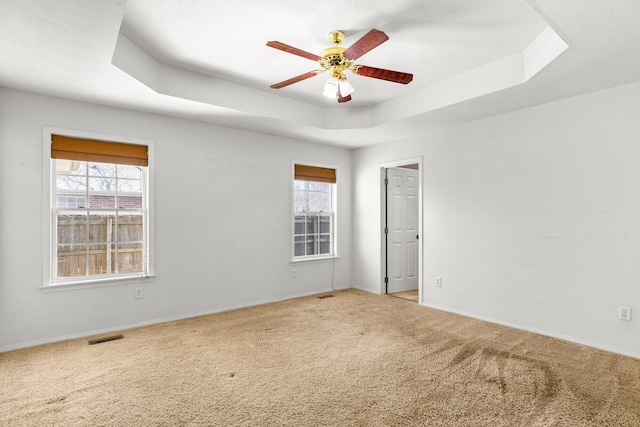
439 282
138 293
293 274
624 313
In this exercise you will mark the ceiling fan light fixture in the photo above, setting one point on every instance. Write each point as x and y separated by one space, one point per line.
346 88
331 88
337 86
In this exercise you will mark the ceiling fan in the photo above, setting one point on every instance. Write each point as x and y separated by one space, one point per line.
336 59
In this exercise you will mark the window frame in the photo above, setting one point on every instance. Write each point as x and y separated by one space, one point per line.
49 258
334 214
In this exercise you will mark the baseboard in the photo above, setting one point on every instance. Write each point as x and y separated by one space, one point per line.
123 327
623 352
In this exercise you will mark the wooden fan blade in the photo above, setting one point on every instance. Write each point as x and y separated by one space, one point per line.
372 39
296 79
293 50
382 74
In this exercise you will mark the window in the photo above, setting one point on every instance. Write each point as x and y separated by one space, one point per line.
313 212
70 201
99 210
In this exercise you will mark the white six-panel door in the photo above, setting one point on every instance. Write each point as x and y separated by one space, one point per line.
402 224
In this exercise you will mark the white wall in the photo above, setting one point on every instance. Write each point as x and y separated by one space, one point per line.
531 218
222 222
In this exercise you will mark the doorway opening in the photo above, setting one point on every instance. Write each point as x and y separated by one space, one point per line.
401 229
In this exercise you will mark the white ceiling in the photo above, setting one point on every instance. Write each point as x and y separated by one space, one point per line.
222 39
207 60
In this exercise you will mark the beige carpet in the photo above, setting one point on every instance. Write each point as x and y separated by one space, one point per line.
353 359
410 295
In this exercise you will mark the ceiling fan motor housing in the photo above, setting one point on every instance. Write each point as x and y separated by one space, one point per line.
334 61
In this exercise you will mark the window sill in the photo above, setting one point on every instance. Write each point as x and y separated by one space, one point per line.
95 283
305 260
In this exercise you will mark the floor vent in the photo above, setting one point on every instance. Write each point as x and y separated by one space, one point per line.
325 296
105 339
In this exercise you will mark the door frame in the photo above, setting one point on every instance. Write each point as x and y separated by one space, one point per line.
383 218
